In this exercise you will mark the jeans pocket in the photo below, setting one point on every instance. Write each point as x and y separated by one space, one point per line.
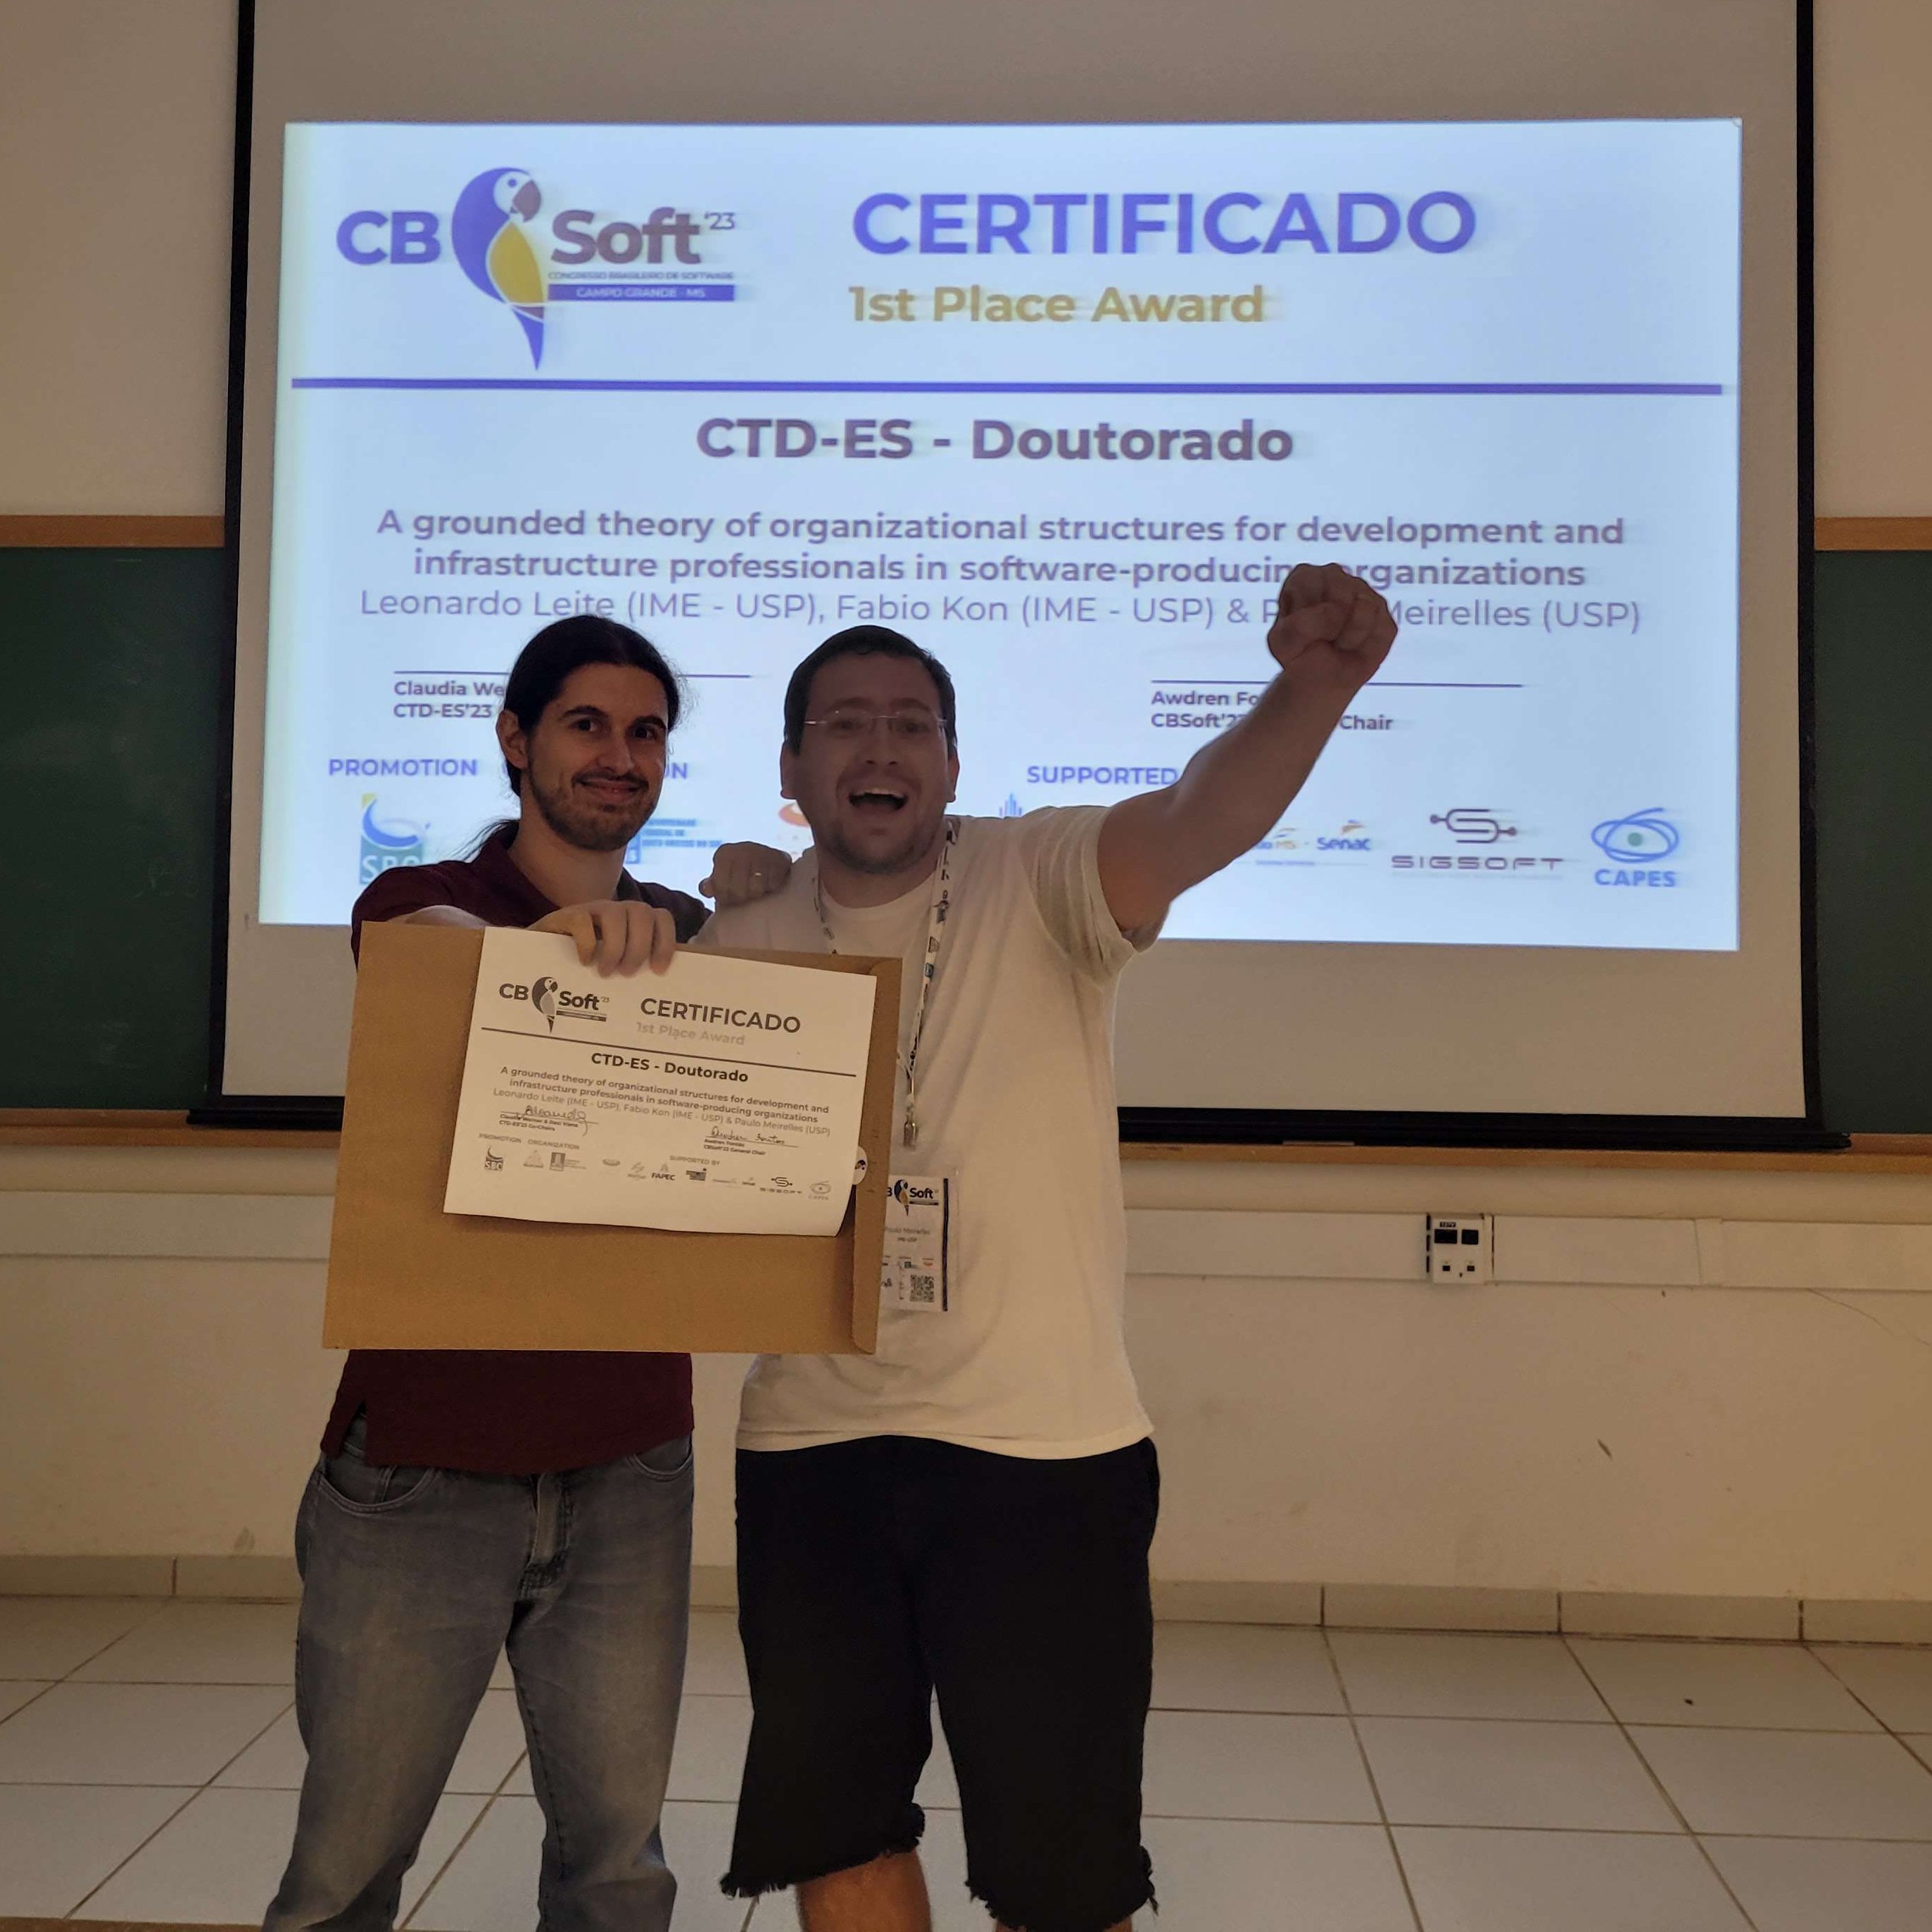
366 1487
666 1462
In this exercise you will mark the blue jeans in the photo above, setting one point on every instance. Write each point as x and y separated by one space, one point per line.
412 1580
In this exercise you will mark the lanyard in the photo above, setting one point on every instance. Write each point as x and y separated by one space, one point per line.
935 928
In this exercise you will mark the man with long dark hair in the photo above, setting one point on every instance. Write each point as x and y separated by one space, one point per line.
468 1502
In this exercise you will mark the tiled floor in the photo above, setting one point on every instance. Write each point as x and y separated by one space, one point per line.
1298 1781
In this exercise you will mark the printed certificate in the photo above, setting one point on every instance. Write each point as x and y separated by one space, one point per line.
722 1096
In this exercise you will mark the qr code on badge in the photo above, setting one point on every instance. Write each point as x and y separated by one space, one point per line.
924 1288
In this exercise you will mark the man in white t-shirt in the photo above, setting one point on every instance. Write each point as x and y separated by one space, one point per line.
969 1510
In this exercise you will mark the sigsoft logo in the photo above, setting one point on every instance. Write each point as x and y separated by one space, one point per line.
1472 825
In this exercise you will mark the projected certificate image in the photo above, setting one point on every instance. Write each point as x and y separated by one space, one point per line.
1063 404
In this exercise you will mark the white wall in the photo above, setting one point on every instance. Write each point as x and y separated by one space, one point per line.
1665 1440
116 136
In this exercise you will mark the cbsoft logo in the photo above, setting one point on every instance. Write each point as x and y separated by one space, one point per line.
489 231
506 257
550 997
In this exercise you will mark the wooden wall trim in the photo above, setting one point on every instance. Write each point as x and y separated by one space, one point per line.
205 533
110 532
1874 533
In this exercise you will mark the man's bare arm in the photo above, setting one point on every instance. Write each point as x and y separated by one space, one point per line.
1330 634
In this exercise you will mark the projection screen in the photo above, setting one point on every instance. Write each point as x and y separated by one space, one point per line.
1053 337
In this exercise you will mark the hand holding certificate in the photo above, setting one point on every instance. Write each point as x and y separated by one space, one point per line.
723 1096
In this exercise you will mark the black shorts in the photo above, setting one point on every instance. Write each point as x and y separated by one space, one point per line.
871 1574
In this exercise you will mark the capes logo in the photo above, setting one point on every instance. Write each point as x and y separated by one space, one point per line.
496 246
1635 844
551 998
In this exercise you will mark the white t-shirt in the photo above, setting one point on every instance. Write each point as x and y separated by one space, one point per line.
1016 1107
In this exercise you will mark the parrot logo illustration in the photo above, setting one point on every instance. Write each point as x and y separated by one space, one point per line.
494 248
543 996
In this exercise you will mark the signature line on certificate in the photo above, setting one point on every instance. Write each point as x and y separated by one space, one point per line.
676 1053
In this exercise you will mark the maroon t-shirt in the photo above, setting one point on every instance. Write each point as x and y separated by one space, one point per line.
505 1412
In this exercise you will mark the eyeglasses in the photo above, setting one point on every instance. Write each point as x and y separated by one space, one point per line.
847 726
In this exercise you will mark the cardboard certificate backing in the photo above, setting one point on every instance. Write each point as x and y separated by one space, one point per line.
404 1274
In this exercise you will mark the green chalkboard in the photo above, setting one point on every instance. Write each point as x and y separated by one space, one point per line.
109 747
1874 803
110 764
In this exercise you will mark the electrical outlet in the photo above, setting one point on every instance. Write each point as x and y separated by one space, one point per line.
1458 1247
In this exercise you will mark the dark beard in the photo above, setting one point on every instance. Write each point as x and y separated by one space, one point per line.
589 830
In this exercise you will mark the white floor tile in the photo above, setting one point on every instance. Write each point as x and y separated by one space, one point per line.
710 1757
1789 1783
715 1666
1777 1687
48 1637
1581 1777
1241 1667
943 1853
134 1733
1894 1681
500 1678
1213 1875
202 1643
13 1696
219 1861
275 1761
938 1787
709 1760
58 1842
1921 1747
1223 1765
1421 1674
1220 1877
698 1842
491 1884
1815 1884
1501 1881
494 1743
